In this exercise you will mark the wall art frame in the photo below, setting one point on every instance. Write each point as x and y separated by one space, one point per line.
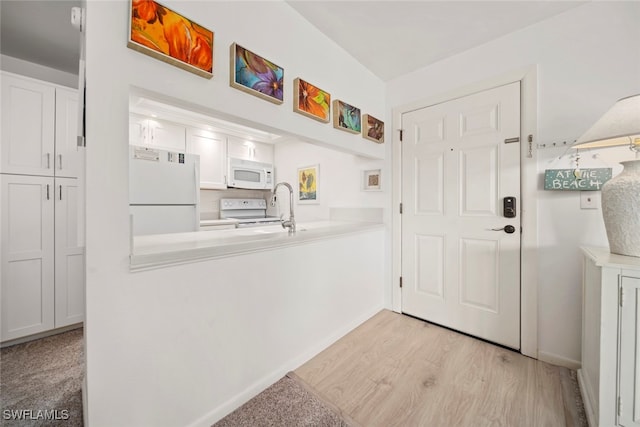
311 101
372 129
309 184
346 117
168 36
253 74
372 180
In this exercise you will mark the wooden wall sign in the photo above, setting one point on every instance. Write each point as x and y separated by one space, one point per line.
576 179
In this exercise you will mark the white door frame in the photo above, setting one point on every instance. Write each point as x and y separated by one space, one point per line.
528 203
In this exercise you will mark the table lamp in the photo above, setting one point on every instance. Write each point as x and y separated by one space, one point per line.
620 195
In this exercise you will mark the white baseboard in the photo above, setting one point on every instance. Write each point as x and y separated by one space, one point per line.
554 359
254 389
586 399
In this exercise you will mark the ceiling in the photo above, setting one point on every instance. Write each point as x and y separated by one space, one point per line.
390 38
40 31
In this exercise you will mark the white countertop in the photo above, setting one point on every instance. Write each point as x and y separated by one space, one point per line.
205 222
603 258
166 249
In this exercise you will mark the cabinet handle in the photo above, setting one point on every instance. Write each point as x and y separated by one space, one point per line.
60 161
47 191
61 192
48 160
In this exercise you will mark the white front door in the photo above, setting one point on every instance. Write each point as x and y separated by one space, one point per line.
460 159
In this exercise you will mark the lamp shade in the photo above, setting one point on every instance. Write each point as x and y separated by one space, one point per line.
619 126
620 195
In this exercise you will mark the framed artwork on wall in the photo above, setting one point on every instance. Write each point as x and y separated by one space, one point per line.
166 35
372 180
253 74
372 129
346 117
311 101
308 183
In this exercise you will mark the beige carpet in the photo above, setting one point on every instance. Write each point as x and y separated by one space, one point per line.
43 375
289 402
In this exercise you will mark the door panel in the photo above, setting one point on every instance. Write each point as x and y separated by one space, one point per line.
429 260
27 126
69 159
27 255
69 261
478 181
629 376
479 282
456 169
429 184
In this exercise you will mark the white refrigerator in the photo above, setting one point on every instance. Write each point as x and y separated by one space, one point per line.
164 191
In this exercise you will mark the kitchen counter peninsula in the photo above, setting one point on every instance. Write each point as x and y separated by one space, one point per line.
160 250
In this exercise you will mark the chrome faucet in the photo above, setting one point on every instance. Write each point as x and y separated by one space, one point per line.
291 222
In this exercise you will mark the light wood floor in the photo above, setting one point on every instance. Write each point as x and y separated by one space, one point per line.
395 370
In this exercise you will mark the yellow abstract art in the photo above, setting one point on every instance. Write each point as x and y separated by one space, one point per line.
308 184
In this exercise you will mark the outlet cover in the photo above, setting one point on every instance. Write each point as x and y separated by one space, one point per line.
589 199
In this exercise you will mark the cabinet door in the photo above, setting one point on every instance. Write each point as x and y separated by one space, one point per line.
629 365
249 150
68 159
167 135
69 252
138 128
213 163
263 152
27 255
27 126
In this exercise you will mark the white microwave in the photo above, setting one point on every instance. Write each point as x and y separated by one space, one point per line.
250 174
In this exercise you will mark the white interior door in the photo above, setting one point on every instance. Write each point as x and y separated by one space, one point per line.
458 164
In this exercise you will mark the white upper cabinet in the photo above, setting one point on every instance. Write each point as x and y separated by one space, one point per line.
39 128
250 150
156 133
68 158
28 123
212 151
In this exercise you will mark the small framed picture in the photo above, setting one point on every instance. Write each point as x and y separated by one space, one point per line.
372 129
372 180
346 117
308 183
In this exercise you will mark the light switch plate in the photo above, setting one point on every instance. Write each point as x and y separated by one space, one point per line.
589 199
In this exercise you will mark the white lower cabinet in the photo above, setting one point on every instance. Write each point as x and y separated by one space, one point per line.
42 255
69 252
630 352
610 374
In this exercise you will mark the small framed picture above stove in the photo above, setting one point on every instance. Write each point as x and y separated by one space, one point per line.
309 184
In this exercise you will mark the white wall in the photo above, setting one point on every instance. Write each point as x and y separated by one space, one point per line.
587 58
165 347
37 71
340 179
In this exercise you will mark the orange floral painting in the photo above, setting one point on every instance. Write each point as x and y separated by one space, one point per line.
311 101
166 35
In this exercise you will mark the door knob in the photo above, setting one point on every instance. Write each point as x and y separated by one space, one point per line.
509 229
